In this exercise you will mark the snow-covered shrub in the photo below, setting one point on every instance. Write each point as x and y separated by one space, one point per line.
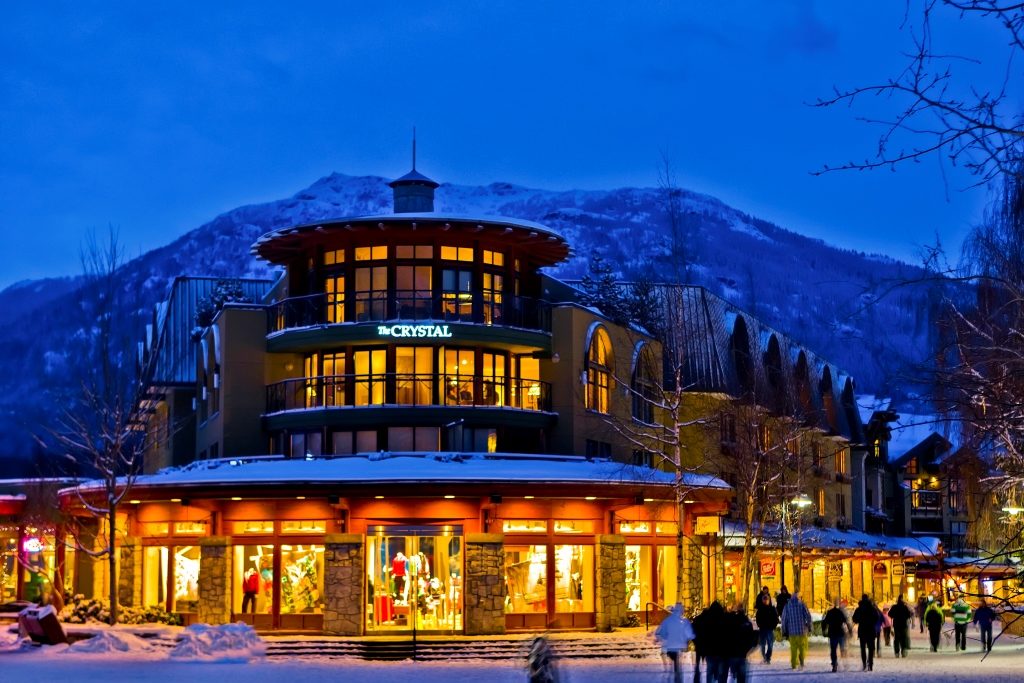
82 610
224 643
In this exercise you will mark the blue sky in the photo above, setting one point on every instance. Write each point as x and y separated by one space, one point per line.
156 117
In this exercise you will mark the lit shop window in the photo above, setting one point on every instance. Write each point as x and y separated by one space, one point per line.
524 526
526 569
190 528
186 579
154 528
574 526
574 578
253 579
414 375
304 526
668 571
638 577
666 528
369 381
634 527
263 526
302 578
8 564
155 565
599 372
39 562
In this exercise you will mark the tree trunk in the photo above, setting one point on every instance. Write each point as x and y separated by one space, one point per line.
680 559
112 562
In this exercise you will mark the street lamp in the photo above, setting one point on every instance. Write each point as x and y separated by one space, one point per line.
800 502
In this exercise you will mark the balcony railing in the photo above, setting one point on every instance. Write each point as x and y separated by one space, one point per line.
926 503
485 308
423 389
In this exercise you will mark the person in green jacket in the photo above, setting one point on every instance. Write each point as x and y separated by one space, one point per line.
934 619
961 618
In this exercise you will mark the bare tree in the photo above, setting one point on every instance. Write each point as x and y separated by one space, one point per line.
937 109
102 430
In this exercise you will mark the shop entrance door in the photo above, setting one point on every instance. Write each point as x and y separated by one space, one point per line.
414 578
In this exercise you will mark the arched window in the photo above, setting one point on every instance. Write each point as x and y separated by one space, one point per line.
599 371
644 383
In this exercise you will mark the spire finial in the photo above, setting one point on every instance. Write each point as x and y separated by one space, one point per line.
414 148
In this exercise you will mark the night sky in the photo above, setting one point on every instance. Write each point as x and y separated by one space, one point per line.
155 119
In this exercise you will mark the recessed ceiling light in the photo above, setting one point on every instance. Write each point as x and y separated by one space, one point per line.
449 496
528 497
236 498
379 497
591 498
134 502
300 498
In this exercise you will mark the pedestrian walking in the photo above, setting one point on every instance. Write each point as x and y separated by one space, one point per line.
540 662
674 634
983 617
781 599
767 619
900 616
740 640
796 626
886 628
934 619
836 626
878 629
866 616
961 618
922 606
710 640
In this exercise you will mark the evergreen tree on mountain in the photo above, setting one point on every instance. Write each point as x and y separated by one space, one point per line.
599 289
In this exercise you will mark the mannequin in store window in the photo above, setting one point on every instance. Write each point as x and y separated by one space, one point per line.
250 588
398 567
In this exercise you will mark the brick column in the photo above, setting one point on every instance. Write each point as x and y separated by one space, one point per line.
484 589
344 598
610 593
129 573
215 580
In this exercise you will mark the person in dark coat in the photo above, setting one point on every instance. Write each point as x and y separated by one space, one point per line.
740 640
866 618
767 619
900 615
836 627
983 617
710 639
922 605
781 599
540 662
934 619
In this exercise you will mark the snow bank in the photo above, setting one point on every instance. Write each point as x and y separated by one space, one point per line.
106 642
225 643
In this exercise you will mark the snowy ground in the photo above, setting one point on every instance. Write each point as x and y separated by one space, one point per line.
61 663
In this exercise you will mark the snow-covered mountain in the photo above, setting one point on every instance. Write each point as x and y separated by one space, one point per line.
818 294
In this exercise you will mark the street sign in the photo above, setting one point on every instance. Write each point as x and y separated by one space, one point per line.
767 567
897 569
708 525
879 569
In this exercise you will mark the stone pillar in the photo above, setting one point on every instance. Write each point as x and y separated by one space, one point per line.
693 577
215 580
610 593
343 584
129 573
484 589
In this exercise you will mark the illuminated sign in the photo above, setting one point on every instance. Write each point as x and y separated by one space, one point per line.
405 331
708 525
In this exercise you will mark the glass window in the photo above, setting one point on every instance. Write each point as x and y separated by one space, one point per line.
197 528
186 579
493 286
634 527
413 292
574 578
366 441
371 293
638 577
574 526
668 571
459 368
371 253
39 562
8 564
527 390
666 528
333 379
262 526
493 258
342 442
334 288
252 579
493 379
520 526
154 528
302 579
419 251
457 253
526 571
599 372
334 257
414 375
370 368
456 294
645 386
155 566
427 439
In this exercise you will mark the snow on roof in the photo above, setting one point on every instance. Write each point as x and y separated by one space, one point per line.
868 404
415 467
834 539
911 429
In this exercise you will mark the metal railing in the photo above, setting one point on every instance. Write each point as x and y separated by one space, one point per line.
411 306
415 389
647 613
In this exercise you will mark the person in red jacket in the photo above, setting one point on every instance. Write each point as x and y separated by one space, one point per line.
250 587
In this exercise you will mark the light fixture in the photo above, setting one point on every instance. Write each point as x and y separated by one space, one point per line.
591 498
236 498
134 502
801 501
175 500
648 500
528 497
379 497
1013 510
449 497
300 498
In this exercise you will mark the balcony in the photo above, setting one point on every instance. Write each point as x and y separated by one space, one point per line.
409 306
926 503
400 389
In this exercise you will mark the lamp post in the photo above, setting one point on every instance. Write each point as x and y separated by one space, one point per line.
800 502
